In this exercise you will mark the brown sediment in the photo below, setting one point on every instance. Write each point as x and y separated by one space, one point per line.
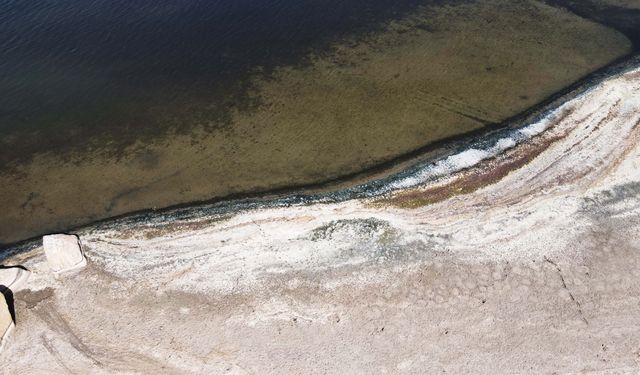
628 147
470 180
149 232
476 177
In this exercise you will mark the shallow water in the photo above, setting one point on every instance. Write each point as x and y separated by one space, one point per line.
111 107
120 71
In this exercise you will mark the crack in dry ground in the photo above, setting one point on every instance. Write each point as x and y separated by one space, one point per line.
564 285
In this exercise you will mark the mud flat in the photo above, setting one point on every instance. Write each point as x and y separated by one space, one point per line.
533 270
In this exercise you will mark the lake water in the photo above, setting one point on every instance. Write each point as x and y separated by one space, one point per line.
109 107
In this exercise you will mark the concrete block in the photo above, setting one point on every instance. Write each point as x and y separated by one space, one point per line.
63 252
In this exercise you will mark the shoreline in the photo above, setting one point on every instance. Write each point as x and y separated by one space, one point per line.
535 272
369 183
441 71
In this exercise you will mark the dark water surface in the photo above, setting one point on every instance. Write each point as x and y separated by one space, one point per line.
114 106
91 69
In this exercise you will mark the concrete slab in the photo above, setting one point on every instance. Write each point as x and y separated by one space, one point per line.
63 252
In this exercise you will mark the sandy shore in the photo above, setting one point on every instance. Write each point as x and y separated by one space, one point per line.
534 271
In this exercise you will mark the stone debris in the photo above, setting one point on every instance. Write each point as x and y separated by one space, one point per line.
63 252
6 321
